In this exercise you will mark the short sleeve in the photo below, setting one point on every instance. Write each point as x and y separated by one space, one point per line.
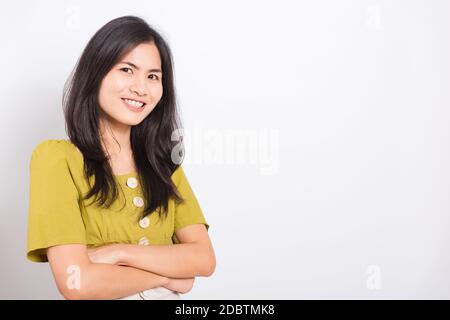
54 215
188 212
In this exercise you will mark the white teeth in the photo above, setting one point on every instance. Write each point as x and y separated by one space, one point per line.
134 103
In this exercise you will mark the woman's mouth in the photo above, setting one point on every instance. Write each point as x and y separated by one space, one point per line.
134 105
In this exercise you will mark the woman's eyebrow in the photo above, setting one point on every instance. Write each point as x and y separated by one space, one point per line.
137 68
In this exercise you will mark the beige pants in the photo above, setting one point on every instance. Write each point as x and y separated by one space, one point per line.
158 293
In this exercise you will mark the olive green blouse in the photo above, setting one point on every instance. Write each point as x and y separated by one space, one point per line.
58 215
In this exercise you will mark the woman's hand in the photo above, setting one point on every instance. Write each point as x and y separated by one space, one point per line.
183 285
108 254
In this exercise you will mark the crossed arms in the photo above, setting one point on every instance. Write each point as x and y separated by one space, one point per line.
118 270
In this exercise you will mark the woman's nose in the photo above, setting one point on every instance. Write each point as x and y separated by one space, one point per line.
139 88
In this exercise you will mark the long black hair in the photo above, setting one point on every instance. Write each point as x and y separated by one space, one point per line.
151 140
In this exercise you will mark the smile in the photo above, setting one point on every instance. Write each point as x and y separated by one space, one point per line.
134 103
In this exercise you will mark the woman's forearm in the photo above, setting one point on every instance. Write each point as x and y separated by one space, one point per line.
104 281
185 260
180 285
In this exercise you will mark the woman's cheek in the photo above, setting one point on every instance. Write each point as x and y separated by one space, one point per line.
120 83
160 92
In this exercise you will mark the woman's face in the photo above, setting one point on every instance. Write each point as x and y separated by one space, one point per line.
133 87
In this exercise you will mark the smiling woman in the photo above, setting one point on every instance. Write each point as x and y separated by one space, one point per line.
126 78
113 201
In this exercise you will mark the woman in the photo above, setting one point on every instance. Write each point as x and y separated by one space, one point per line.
111 209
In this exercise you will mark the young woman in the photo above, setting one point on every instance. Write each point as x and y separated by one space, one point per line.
111 209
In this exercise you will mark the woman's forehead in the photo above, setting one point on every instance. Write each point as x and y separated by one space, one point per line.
144 56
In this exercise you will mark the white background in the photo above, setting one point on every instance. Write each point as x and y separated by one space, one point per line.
337 110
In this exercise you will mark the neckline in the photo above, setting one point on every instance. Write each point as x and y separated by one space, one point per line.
125 174
133 173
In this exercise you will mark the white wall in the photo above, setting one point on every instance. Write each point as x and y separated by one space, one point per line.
337 110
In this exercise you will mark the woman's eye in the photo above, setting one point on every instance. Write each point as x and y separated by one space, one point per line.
126 70
155 77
